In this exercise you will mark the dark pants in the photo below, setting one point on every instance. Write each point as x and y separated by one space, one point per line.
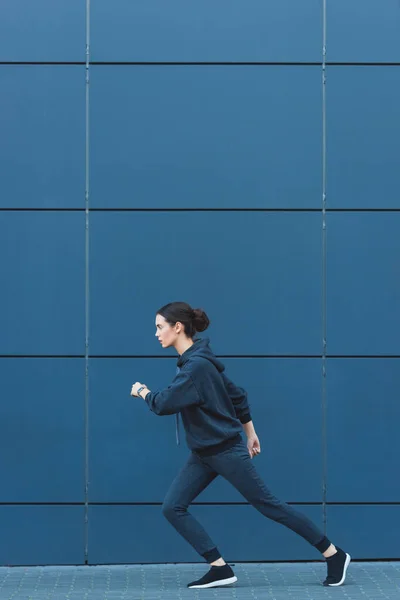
236 466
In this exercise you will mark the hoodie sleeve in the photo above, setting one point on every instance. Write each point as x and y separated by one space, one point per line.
181 393
239 400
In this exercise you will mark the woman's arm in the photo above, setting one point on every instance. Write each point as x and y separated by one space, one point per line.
253 443
181 393
239 399
248 428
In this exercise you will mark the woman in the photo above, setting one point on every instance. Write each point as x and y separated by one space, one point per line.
214 411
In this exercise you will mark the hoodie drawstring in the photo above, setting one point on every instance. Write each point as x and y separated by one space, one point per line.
177 419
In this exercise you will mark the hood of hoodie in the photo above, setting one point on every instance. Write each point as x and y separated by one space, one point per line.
201 347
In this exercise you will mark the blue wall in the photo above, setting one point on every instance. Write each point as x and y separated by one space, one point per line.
205 182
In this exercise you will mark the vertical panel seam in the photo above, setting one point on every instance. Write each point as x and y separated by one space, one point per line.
86 417
324 275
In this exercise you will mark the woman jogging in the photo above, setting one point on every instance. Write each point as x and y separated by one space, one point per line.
214 411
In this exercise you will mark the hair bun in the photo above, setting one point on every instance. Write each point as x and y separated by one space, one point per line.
201 321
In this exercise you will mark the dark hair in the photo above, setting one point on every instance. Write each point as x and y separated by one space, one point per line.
192 319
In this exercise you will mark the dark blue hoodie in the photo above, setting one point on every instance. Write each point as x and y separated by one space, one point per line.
211 405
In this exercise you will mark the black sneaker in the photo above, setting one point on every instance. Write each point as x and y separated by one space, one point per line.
337 567
216 576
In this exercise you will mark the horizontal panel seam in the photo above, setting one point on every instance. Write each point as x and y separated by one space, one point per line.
205 63
247 356
183 209
227 503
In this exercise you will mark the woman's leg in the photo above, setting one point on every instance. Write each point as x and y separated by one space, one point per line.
236 466
192 479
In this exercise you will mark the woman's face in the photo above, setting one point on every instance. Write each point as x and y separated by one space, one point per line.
165 333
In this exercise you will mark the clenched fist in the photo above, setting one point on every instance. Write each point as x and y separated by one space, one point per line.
135 388
253 445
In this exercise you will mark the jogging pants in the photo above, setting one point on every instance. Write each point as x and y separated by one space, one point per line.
236 466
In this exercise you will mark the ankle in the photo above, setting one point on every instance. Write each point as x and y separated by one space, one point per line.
330 551
218 563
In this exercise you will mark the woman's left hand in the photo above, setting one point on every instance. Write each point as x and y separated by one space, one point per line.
135 388
253 445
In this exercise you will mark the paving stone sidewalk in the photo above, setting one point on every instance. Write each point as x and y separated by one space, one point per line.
256 581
